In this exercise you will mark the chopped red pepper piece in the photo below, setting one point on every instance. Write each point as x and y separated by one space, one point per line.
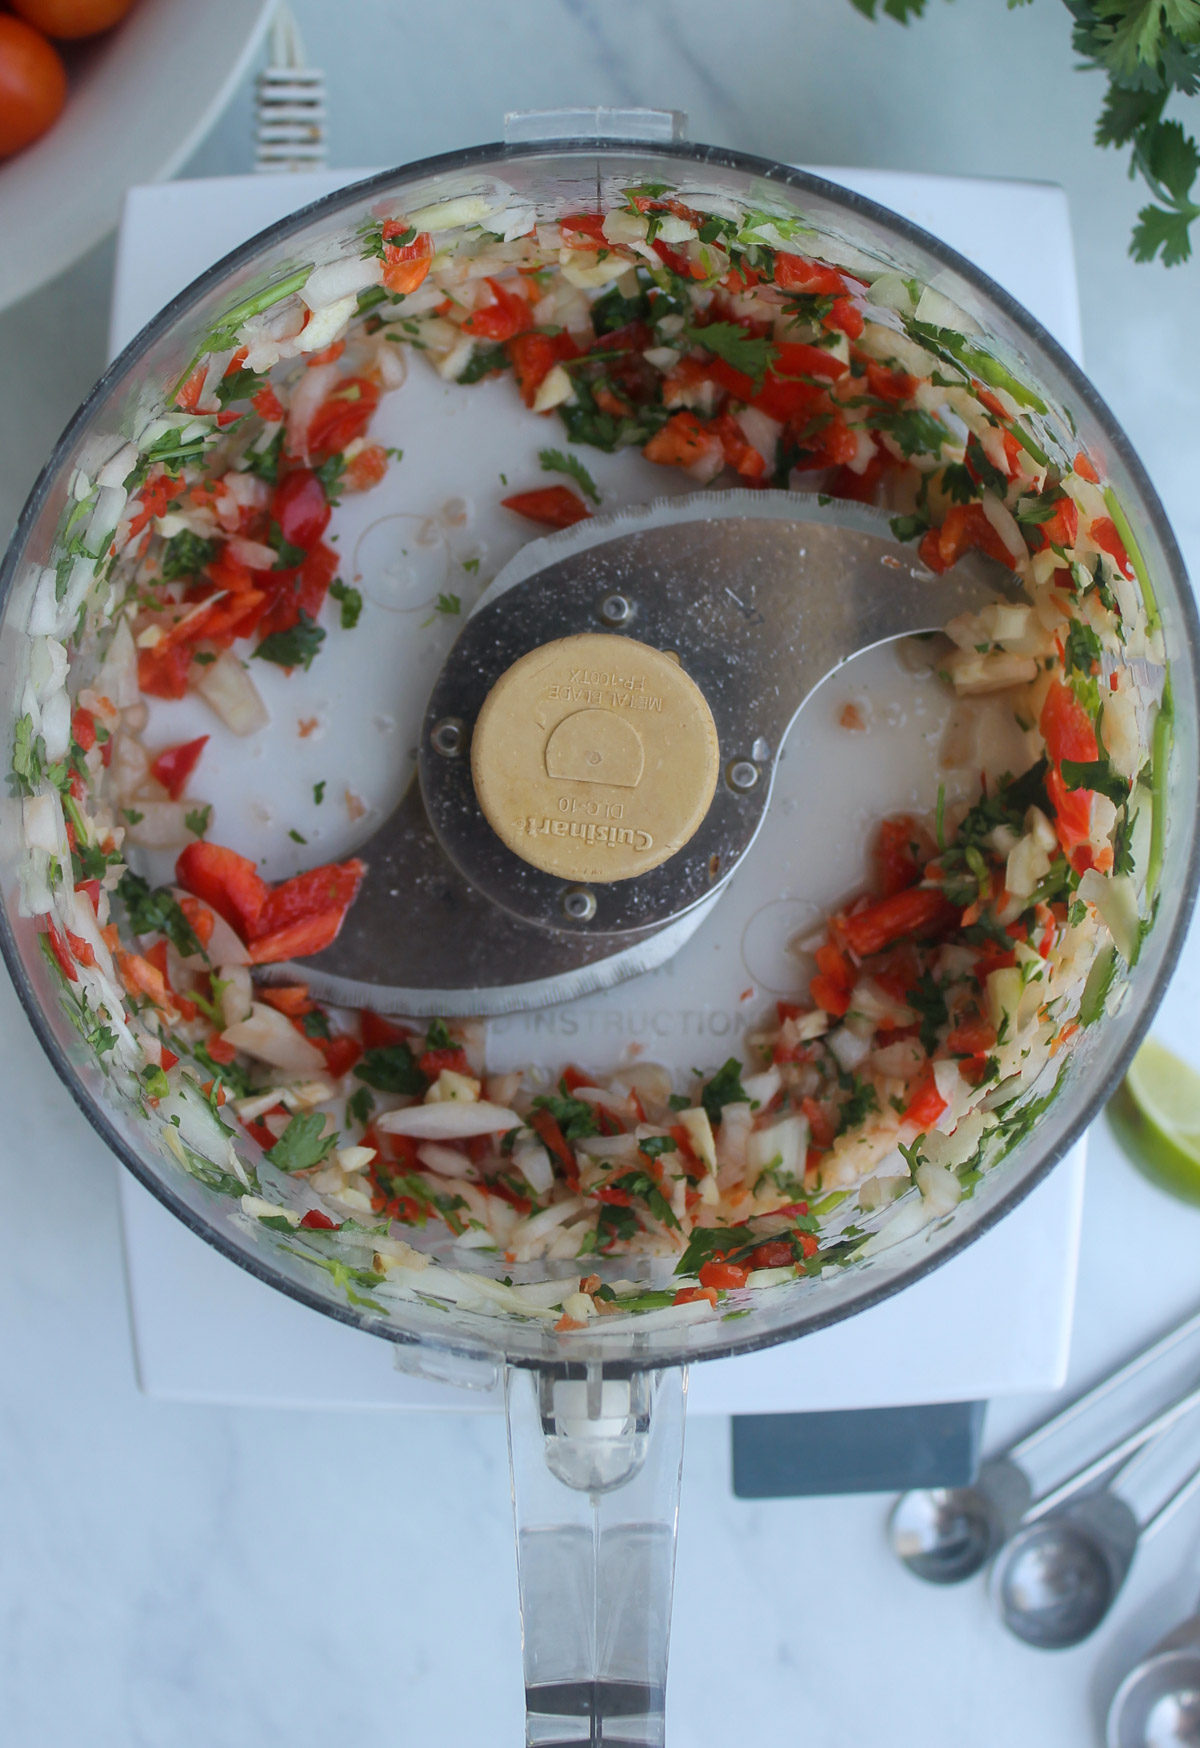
1066 727
794 273
174 765
331 887
316 1221
723 1274
926 1104
297 940
921 910
229 883
552 506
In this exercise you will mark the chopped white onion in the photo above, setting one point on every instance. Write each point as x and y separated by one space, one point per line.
450 1121
228 689
271 1037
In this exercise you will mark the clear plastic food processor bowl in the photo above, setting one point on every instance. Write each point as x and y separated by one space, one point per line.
596 1416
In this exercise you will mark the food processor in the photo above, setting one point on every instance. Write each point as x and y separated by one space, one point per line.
596 1419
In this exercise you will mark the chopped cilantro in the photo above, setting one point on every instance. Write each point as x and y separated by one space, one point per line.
439 1037
303 1143
391 1068
351 602
484 361
296 837
185 555
575 1117
908 527
725 1088
654 1146
319 792
197 820
359 1106
294 648
316 1024
154 911
554 461
732 344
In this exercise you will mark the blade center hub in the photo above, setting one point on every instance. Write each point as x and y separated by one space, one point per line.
595 757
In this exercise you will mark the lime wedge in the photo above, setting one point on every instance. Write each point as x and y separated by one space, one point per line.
1155 1114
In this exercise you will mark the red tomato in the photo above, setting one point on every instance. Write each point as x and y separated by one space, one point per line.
299 505
1066 727
794 273
341 418
72 18
552 506
1085 469
33 86
174 765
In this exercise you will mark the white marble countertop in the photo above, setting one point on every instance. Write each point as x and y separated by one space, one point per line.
176 1575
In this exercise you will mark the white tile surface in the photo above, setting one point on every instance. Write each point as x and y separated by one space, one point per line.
177 1576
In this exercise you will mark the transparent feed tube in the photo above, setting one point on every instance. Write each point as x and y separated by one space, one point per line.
596 1464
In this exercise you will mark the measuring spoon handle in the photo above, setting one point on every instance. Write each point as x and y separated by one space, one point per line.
1115 1454
1190 1326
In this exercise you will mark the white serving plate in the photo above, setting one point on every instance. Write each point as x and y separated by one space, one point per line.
143 96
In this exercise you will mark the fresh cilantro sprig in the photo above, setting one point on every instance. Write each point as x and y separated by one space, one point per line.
554 461
1149 50
735 347
294 648
303 1143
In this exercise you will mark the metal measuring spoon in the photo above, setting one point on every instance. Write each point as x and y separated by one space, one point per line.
1060 1575
1158 1703
946 1535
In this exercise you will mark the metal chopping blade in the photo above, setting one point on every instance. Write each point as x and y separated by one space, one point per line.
760 597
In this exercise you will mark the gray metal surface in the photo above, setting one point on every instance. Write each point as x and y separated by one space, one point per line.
762 596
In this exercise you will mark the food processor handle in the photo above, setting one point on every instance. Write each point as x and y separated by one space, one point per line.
524 127
595 1463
